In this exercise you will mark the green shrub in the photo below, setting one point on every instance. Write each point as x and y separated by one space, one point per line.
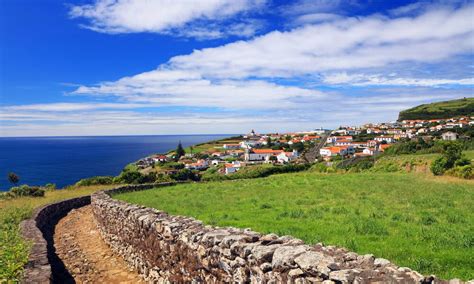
173 165
320 168
50 186
466 172
185 174
438 167
26 190
97 180
257 172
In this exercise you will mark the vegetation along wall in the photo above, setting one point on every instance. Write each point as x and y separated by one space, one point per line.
163 247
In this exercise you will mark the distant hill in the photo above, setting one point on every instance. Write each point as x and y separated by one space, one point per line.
445 109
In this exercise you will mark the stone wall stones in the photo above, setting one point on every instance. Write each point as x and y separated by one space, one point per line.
43 265
180 249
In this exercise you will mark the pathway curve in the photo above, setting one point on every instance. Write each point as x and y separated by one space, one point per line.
87 257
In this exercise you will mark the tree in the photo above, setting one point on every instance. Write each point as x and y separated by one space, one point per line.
452 152
299 146
179 151
13 178
191 148
269 141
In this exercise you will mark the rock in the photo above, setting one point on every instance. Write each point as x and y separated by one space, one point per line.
285 255
417 277
404 269
365 260
455 281
295 272
313 261
381 262
350 256
265 267
264 253
344 276
334 266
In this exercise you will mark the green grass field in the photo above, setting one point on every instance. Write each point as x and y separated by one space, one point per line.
446 109
13 249
414 220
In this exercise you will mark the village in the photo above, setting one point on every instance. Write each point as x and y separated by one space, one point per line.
230 155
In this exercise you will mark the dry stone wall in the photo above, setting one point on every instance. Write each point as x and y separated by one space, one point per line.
43 264
177 249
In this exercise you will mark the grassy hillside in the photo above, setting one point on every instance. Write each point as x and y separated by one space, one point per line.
13 249
415 220
445 109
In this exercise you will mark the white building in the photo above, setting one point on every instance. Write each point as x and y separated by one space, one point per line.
388 139
449 136
286 157
232 167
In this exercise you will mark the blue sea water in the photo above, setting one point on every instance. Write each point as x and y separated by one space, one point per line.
65 160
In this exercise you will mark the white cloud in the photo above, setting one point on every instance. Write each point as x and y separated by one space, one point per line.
315 18
179 88
340 45
242 82
380 80
166 17
60 107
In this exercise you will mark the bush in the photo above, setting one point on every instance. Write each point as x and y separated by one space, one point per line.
185 174
173 165
98 180
257 172
466 172
50 186
26 190
438 167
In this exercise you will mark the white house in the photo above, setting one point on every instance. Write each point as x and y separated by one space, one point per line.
336 150
369 151
248 144
449 136
232 167
286 157
255 155
199 165
386 138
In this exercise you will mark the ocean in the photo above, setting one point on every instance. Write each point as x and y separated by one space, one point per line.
65 160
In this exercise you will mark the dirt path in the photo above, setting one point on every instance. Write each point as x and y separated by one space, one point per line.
84 253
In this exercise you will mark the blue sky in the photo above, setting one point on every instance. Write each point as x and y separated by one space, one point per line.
115 67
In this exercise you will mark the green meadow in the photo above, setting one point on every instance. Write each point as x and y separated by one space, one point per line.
412 219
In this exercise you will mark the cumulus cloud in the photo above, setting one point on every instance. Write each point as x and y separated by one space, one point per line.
185 18
340 45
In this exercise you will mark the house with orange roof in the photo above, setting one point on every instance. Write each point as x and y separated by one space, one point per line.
383 147
336 150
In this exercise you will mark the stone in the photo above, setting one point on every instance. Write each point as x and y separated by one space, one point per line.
264 253
285 255
344 276
350 256
295 272
455 281
265 267
313 261
381 262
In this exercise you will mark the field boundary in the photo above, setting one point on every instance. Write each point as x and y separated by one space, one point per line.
43 265
163 247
